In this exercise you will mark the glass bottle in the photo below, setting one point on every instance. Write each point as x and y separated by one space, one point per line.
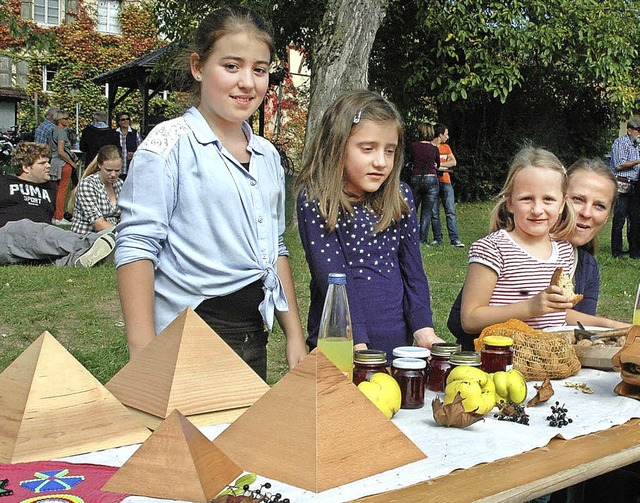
440 356
334 338
496 353
367 362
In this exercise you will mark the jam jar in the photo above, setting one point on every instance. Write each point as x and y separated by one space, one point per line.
409 373
496 353
414 352
468 358
440 356
367 362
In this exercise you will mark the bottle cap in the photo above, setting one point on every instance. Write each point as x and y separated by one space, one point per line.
444 348
409 363
369 356
465 358
411 352
497 340
337 278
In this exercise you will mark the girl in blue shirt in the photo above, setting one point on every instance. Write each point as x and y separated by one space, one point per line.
355 217
203 206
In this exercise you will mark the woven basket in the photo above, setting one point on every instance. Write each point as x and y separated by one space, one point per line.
536 354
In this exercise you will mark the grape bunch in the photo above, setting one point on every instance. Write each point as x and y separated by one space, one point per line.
558 417
513 413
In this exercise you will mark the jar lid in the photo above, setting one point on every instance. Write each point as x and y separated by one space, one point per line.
497 340
465 358
369 356
411 352
409 363
444 348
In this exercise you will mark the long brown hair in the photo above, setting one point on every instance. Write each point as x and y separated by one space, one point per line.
322 175
502 218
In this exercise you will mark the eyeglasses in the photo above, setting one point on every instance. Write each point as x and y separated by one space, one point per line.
124 119
64 118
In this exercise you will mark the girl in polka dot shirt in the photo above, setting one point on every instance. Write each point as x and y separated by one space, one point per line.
356 217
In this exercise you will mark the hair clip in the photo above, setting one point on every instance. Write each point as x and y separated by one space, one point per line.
356 119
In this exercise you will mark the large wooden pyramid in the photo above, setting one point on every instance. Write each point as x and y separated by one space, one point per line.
52 407
176 462
314 429
190 368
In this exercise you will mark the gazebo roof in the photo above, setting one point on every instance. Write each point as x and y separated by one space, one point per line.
128 75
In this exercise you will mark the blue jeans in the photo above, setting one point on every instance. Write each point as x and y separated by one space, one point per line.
626 209
425 195
448 201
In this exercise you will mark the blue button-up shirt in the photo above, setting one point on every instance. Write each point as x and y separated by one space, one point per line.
624 150
209 226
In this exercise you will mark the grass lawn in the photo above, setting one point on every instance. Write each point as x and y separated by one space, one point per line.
80 307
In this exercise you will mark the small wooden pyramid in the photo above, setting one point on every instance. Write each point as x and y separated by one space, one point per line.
314 429
190 368
176 462
53 407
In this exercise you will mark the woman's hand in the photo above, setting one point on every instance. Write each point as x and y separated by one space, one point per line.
358 347
426 337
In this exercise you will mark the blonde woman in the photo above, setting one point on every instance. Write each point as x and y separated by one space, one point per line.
96 198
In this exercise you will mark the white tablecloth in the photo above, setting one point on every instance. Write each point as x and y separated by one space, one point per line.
452 448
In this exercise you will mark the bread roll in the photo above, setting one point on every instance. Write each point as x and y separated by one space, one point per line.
561 279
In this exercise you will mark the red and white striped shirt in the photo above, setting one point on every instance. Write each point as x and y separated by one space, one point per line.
520 274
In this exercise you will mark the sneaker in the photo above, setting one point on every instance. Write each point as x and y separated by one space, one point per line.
62 221
100 250
458 244
435 243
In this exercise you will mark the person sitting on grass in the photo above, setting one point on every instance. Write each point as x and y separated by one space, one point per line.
27 203
96 197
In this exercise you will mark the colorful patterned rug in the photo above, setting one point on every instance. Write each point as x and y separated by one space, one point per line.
56 482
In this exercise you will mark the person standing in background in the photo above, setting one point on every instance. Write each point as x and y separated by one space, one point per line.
96 135
447 160
46 127
130 140
625 164
424 179
63 162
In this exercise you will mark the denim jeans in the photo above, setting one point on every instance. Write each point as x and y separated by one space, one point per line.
448 201
425 195
627 209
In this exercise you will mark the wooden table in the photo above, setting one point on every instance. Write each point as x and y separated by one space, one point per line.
561 463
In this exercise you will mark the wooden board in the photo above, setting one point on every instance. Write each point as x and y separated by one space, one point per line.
187 367
53 407
596 357
176 462
314 429
560 464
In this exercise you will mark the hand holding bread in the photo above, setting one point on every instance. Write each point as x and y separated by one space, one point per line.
563 280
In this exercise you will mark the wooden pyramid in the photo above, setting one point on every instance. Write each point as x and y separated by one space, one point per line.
53 407
314 429
190 368
176 462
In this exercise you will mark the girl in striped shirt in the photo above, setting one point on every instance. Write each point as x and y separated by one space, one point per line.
511 268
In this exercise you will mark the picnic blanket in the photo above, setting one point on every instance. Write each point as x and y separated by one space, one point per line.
55 482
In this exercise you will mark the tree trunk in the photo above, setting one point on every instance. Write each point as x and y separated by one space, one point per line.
341 59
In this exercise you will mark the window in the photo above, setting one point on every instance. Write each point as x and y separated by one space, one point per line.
46 11
5 71
48 74
108 16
